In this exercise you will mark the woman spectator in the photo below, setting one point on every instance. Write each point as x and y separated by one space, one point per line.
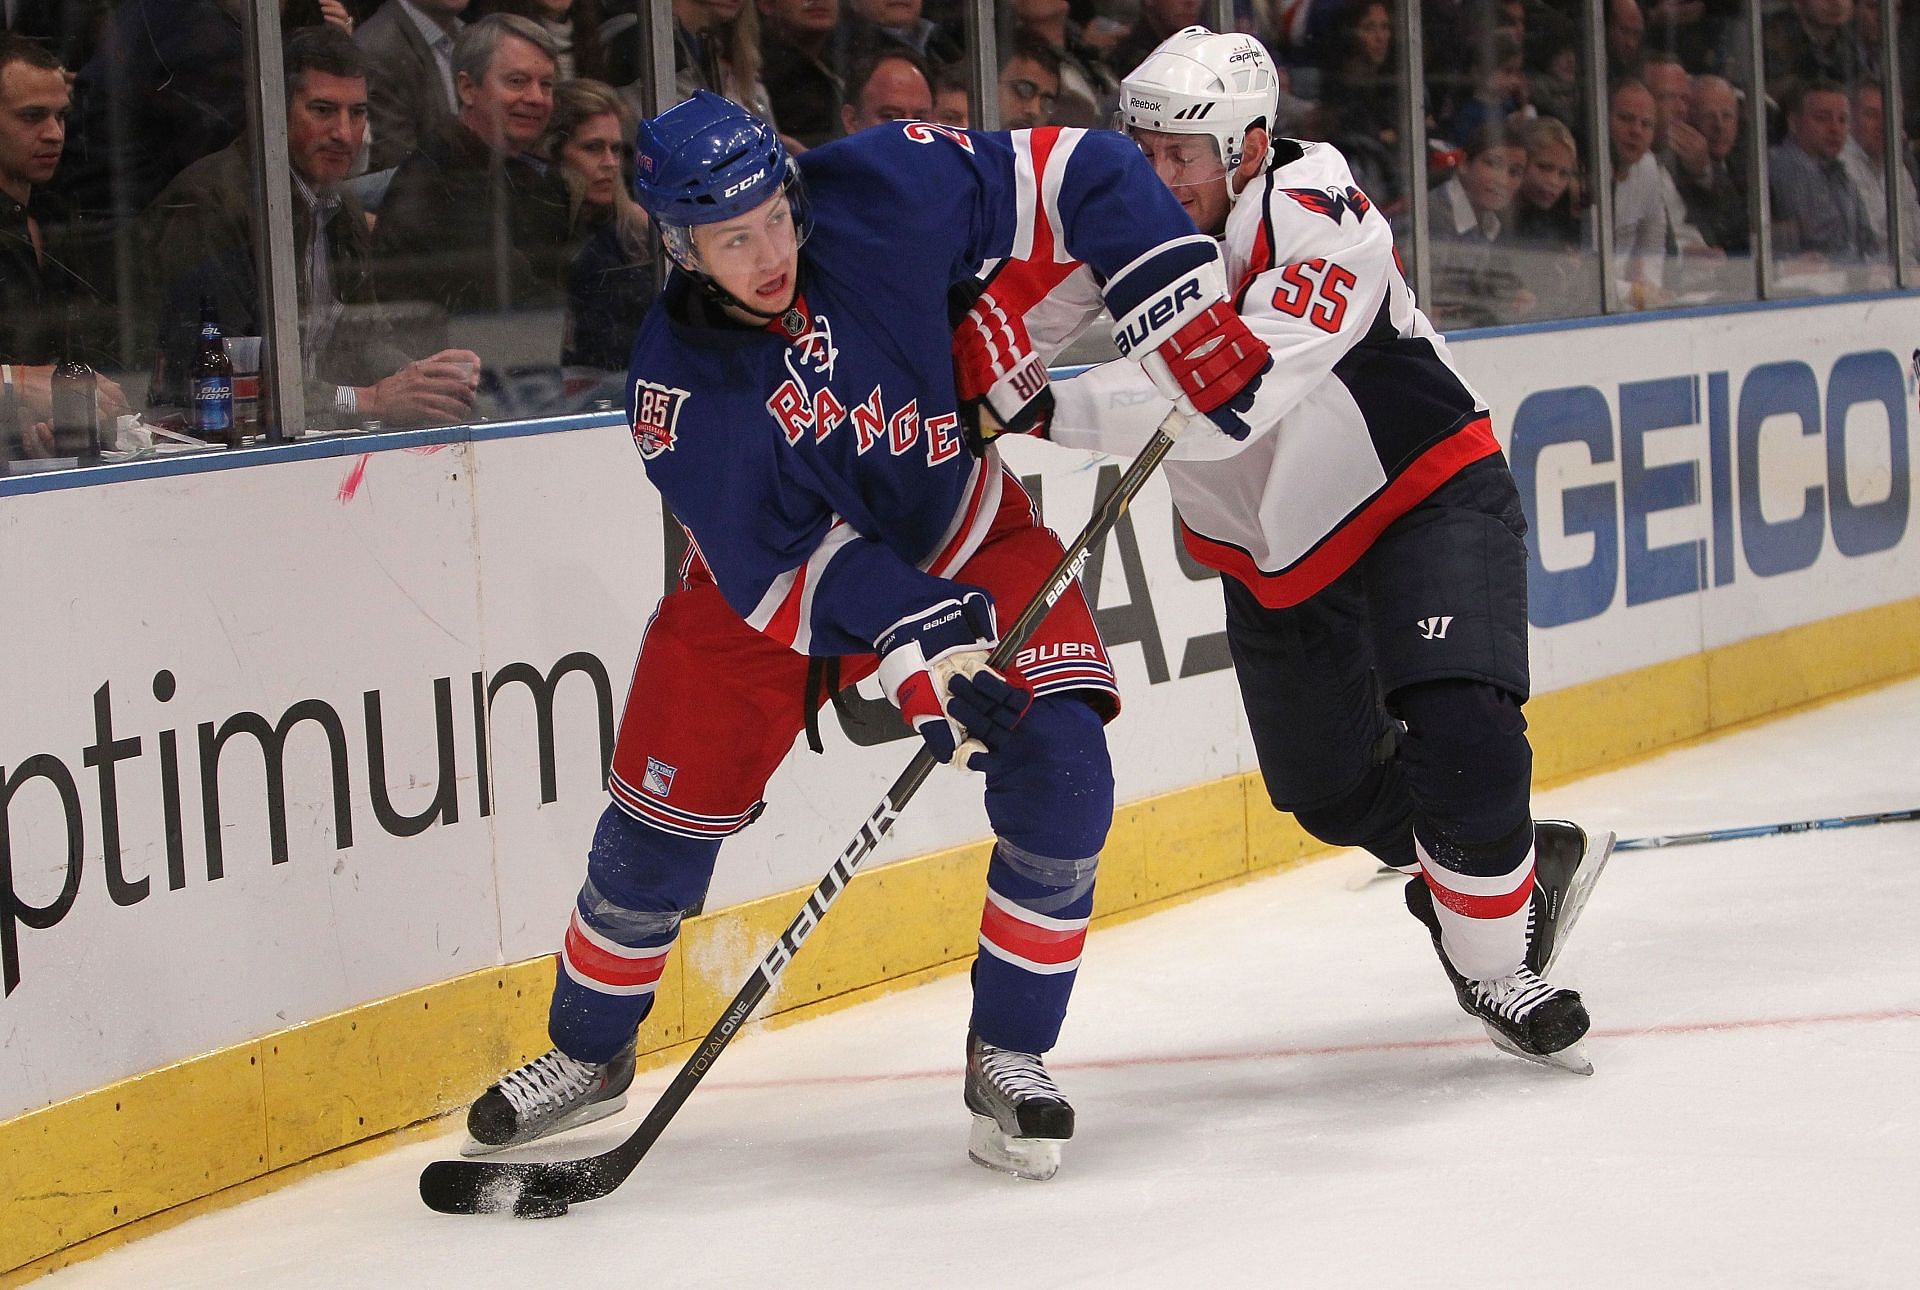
1550 229
1360 108
610 281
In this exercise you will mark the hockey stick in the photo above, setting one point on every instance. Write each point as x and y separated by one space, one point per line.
546 1189
1380 873
1765 830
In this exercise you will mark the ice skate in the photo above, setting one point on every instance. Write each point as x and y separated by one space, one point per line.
1523 1014
1566 864
544 1096
1020 1117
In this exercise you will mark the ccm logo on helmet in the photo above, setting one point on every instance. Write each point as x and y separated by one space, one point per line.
1156 314
745 184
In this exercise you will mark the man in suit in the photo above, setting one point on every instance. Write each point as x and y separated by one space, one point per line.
409 49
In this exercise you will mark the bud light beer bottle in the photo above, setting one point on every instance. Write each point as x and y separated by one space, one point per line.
210 385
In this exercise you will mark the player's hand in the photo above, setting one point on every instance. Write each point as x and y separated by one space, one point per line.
1002 384
1171 315
933 667
428 391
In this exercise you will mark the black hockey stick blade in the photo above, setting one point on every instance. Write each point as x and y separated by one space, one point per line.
490 1186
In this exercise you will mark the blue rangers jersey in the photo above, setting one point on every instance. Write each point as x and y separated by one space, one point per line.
817 463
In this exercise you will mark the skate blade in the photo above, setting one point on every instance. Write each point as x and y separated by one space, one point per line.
1572 1058
990 1147
572 1120
1585 878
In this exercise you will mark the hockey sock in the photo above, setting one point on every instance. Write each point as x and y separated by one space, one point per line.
640 880
1468 768
1050 798
1032 931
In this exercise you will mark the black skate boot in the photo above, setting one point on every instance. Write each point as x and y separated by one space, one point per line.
1523 1014
1566 864
547 1095
1020 1117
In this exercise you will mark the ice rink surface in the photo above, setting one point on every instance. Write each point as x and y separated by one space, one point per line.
1275 1088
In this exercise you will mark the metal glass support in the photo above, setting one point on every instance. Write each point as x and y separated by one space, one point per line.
1894 148
283 399
983 66
1410 99
1759 206
1217 14
1600 130
659 87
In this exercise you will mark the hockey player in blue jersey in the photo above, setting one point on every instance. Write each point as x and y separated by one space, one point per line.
793 396
1368 531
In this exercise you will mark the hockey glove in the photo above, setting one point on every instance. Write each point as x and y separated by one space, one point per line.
933 666
1183 330
1002 384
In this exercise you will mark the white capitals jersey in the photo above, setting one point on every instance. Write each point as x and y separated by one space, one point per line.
1360 418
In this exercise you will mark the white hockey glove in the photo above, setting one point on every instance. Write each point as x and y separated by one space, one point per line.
933 667
1172 315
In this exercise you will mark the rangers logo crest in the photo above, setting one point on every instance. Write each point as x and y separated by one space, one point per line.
656 412
659 778
1331 202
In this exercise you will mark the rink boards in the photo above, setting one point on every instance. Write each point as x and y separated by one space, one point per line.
300 755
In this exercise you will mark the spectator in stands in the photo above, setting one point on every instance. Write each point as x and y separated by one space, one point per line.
409 49
574 26
1818 215
1551 245
1713 182
1360 107
950 106
36 289
165 87
886 84
716 46
470 222
1641 222
1158 20
1815 40
1499 87
202 232
1029 84
1865 158
802 42
1472 287
904 22
610 283
1626 37
1089 91
1556 85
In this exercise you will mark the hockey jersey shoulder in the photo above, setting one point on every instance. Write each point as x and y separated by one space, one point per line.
1308 206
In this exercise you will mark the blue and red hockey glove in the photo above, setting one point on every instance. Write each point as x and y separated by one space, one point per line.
1002 384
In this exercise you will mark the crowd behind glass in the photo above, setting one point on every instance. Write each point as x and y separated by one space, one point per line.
464 244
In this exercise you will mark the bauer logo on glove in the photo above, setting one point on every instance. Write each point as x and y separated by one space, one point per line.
933 666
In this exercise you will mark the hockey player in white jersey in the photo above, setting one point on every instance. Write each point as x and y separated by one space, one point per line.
1369 532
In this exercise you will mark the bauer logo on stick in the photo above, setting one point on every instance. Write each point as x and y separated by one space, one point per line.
656 413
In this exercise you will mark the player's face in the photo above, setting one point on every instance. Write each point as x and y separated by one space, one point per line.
1193 171
1549 171
326 123
754 258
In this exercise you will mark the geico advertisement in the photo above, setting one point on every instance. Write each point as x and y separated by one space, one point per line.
1691 483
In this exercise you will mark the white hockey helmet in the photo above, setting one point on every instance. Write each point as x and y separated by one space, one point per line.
1197 82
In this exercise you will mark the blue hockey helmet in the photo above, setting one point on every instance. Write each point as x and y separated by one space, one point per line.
706 160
